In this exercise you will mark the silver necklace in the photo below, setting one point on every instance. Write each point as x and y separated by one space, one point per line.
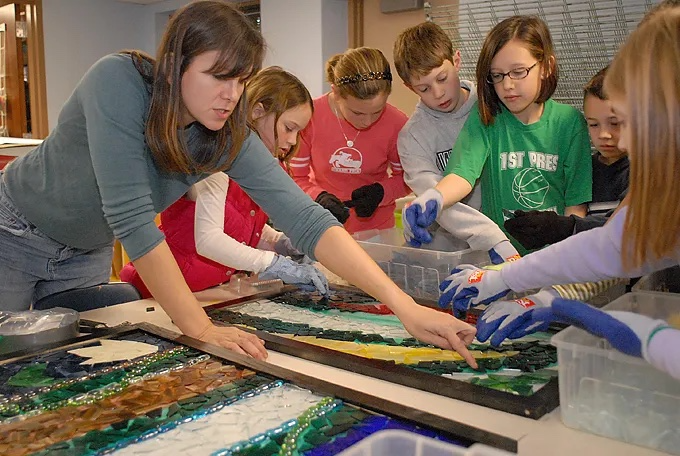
350 142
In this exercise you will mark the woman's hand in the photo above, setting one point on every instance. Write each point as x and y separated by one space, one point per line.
235 340
440 329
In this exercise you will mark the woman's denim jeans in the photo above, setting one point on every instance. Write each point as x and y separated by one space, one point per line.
33 266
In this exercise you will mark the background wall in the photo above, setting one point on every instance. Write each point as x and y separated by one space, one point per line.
77 34
301 35
381 30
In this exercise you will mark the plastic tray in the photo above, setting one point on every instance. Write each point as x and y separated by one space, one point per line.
605 392
395 442
418 271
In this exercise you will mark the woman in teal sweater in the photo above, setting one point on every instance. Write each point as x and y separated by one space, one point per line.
133 137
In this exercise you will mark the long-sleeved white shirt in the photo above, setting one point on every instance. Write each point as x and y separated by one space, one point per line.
211 240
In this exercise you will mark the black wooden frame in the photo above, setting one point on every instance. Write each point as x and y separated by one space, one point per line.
447 427
535 406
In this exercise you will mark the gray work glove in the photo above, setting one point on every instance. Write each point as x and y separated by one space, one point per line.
286 248
291 272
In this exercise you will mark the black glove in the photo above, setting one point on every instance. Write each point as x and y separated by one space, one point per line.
534 229
365 200
334 205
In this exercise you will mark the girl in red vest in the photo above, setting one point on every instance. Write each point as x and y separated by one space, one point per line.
216 229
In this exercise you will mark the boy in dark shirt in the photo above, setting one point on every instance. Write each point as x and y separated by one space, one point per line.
535 229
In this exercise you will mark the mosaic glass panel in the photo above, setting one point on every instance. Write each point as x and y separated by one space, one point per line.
354 323
176 399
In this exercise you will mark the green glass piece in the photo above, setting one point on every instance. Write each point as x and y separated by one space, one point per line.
523 390
32 375
503 378
304 446
535 378
61 452
267 449
340 418
317 439
339 429
319 422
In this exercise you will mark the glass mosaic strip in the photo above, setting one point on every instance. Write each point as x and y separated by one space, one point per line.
342 301
240 421
149 424
35 433
340 322
63 366
76 390
285 435
349 332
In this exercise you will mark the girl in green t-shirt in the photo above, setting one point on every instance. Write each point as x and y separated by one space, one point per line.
530 152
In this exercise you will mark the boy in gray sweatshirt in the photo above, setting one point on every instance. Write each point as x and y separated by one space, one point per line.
427 64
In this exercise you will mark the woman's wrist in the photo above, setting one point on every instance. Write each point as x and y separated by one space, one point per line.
398 301
198 331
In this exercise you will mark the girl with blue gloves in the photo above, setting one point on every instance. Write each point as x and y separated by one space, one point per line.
643 84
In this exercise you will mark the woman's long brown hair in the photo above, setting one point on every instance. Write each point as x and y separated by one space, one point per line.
197 28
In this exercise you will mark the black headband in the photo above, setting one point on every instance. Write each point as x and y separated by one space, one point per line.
370 76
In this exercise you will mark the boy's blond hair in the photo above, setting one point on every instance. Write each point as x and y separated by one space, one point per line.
420 49
646 75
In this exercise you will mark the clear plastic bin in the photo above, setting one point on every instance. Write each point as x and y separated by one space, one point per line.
666 280
418 271
605 392
403 443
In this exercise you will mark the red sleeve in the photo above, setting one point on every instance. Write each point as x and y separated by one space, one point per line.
394 185
300 164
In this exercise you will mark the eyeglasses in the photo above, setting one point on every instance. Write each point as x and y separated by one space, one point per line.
517 73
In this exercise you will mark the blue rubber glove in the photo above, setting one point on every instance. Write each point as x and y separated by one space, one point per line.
293 273
419 215
502 252
469 286
510 319
627 332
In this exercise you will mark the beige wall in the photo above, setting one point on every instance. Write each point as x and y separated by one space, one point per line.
380 31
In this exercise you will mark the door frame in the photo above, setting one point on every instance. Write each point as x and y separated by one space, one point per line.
37 85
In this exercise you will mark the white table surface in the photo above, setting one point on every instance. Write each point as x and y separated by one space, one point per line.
546 436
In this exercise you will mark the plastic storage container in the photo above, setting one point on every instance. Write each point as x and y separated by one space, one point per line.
418 271
608 393
666 280
403 443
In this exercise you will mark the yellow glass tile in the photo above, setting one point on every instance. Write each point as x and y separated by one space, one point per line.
674 320
398 354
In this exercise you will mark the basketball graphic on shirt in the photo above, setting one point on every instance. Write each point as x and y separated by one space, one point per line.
346 160
529 188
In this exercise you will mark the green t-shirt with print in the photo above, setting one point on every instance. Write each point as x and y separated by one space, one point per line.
542 166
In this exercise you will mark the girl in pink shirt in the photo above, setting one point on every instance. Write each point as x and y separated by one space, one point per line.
348 161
